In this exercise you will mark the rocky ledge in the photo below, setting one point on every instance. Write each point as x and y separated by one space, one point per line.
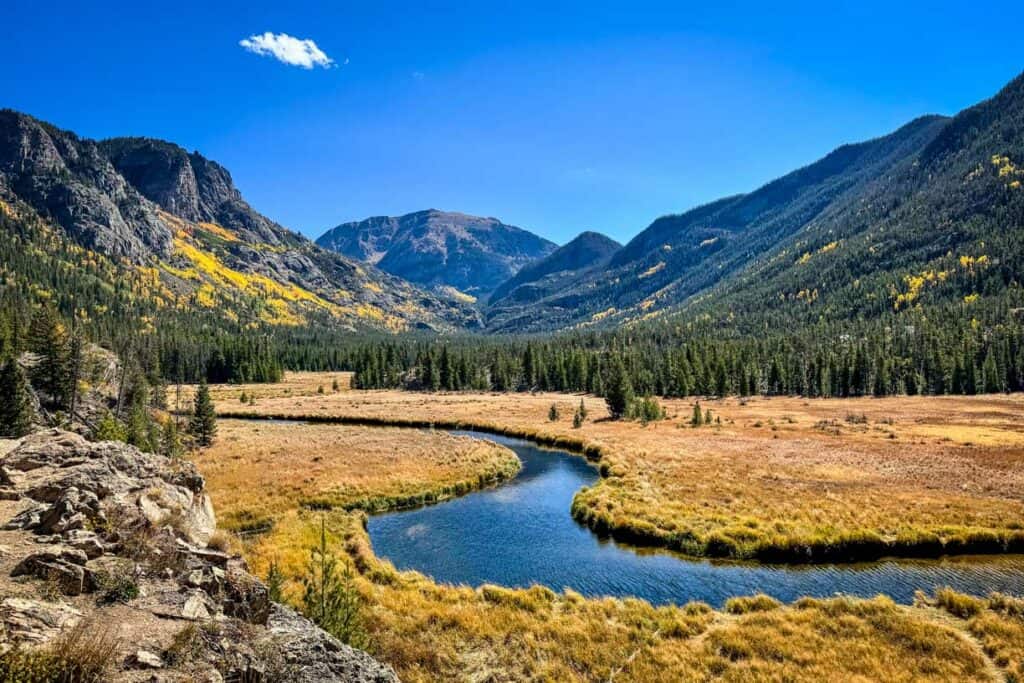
105 540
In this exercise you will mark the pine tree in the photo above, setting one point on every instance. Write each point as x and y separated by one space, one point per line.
582 410
275 582
698 417
170 439
618 389
16 408
49 340
330 598
990 374
553 412
203 425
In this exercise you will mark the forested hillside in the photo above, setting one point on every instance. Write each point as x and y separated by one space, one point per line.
176 217
871 227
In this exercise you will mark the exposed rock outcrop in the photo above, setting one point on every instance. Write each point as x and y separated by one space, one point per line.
91 527
69 178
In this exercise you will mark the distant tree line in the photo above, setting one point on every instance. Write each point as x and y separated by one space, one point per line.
56 296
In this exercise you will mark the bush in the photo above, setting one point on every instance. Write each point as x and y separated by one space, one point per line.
82 654
221 541
754 603
109 428
116 585
958 604
553 412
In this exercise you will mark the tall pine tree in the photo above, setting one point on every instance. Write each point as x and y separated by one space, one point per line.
16 409
203 425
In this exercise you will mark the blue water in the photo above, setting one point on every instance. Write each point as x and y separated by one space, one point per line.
521 533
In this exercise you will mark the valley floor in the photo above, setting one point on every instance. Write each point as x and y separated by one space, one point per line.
780 471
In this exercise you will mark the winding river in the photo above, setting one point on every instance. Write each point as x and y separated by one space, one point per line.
521 533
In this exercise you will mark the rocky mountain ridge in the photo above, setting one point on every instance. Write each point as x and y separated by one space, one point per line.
440 248
153 204
839 237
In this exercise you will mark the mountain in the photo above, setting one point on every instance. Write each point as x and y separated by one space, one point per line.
587 252
440 249
150 207
880 214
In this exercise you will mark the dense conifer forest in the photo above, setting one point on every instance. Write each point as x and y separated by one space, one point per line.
961 335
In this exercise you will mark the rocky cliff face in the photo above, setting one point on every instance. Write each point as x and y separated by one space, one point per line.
154 204
104 537
189 186
440 248
72 181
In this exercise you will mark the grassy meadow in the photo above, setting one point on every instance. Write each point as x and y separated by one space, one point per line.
263 470
781 479
289 476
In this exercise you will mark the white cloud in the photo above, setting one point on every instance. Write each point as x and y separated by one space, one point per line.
288 49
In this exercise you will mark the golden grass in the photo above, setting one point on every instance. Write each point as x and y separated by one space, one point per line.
293 385
261 470
784 479
432 632
998 625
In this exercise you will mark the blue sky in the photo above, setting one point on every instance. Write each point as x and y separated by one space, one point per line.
557 117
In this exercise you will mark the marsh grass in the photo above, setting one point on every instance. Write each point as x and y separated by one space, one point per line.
739 495
432 632
264 469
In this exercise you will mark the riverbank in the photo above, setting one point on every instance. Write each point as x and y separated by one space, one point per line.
428 631
780 480
264 469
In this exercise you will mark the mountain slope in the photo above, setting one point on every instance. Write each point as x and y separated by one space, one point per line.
931 210
153 207
679 256
587 252
438 248
947 225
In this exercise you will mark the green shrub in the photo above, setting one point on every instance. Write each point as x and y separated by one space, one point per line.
116 585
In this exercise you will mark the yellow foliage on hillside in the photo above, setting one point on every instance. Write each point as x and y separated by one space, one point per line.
660 265
1007 170
219 231
916 283
278 297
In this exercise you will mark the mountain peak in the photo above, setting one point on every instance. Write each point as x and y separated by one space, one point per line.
439 248
585 252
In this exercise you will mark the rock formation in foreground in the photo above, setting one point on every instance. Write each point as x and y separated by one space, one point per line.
104 546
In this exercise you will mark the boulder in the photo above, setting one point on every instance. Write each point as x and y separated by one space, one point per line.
316 656
64 566
71 510
245 597
86 541
144 659
34 621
